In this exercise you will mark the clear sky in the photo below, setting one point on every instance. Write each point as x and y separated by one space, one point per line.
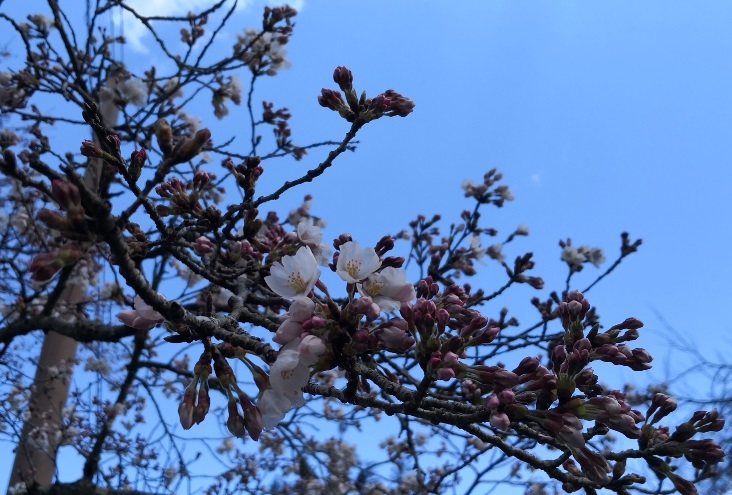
603 117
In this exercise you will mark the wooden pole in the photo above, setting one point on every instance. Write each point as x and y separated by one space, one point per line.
35 461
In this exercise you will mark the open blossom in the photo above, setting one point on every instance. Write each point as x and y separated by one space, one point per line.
274 405
355 264
133 90
287 377
295 275
388 288
311 235
143 317
572 256
291 370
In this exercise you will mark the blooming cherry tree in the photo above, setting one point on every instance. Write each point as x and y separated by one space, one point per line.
222 315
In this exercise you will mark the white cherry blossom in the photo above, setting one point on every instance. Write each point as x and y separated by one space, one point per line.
309 234
295 275
289 374
388 288
355 264
274 405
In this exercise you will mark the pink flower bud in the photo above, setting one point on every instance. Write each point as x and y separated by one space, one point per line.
67 195
499 420
137 160
53 219
492 401
203 246
185 413
310 349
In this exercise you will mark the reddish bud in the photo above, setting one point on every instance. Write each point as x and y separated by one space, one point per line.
53 219
137 160
66 195
343 78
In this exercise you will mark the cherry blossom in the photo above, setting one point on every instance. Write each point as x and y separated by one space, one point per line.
289 374
142 317
274 405
301 309
388 288
311 235
295 275
355 264
310 349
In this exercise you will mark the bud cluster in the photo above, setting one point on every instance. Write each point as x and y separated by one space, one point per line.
362 109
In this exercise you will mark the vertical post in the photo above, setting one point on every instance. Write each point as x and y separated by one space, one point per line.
35 462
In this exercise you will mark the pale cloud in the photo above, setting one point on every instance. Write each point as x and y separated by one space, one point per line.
536 179
138 36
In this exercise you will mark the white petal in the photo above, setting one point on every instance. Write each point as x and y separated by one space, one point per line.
273 407
355 264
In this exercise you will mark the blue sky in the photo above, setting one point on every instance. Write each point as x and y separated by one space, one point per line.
603 117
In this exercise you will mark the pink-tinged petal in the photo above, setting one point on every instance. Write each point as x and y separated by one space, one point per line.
388 288
500 421
301 308
311 348
288 331
127 316
298 400
287 374
146 311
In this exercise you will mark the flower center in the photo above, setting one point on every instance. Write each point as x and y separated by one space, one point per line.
353 267
295 281
372 288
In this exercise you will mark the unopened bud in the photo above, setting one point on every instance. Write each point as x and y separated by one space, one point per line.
164 135
53 219
189 148
67 195
137 160
343 78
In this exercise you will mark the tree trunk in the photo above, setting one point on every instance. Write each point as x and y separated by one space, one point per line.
35 456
